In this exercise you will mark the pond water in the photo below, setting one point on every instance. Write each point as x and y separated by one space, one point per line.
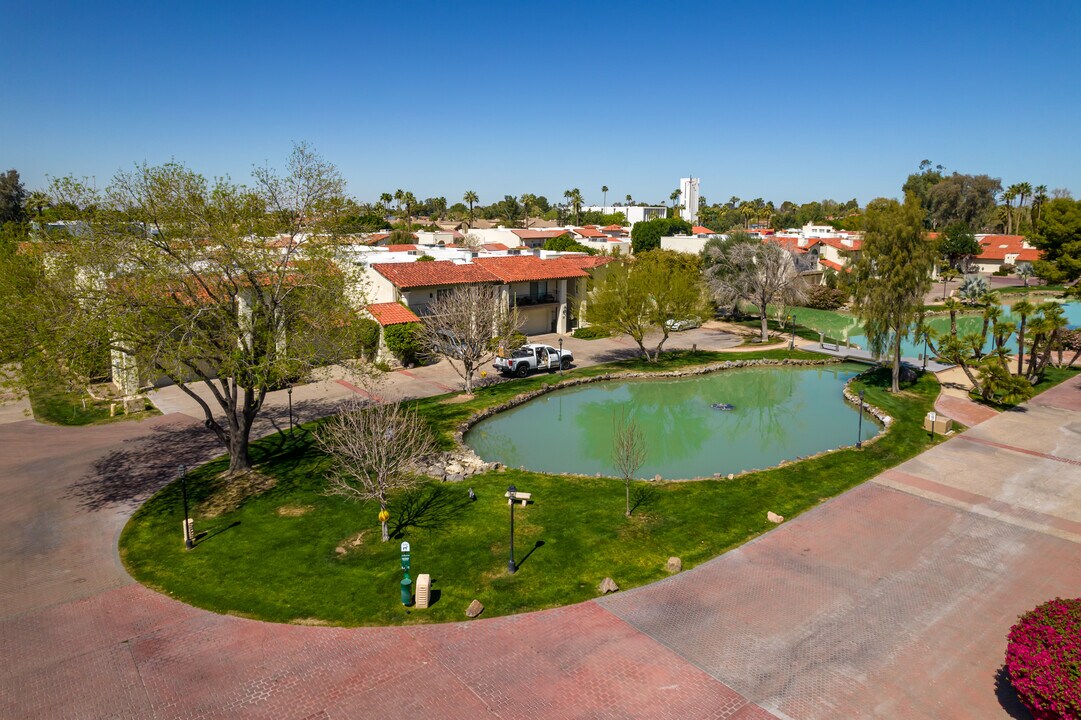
841 325
778 414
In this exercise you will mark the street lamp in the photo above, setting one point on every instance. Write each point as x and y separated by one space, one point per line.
560 356
859 432
289 392
511 493
184 493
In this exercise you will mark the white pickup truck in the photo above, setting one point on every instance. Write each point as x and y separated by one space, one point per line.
532 357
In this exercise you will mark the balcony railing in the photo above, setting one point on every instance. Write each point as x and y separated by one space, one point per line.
545 299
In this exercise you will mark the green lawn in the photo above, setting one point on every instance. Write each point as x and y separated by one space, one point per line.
274 557
59 406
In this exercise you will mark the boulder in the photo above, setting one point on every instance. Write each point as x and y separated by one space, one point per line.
608 585
674 565
474 609
774 517
657 478
454 469
731 476
455 478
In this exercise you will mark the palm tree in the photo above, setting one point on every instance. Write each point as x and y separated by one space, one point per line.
1024 190
674 197
528 201
1022 309
408 200
471 197
399 197
385 200
604 190
1038 199
36 202
574 197
630 200
1007 197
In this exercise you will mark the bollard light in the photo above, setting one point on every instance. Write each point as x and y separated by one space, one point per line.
188 544
512 492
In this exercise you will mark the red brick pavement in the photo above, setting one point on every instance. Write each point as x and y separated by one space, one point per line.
962 410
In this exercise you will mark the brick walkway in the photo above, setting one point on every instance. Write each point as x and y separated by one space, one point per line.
889 601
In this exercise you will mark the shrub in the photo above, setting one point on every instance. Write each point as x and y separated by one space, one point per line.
822 297
1043 658
402 341
592 332
516 340
367 337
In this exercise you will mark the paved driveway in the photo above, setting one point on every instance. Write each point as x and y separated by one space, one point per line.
890 601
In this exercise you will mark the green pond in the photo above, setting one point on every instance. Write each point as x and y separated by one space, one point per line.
779 413
842 326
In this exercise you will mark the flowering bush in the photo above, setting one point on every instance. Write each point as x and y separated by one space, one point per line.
1043 657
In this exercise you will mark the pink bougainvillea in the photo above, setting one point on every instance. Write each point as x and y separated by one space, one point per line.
1043 657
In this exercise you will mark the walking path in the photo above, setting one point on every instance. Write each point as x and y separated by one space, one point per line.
890 601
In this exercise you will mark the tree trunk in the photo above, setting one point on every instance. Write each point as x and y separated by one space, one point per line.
1021 347
628 483
765 323
239 459
896 380
384 530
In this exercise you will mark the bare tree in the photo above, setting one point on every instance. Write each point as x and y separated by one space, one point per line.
761 274
375 449
628 451
472 241
465 326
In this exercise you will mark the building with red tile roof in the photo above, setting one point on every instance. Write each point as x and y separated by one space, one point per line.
391 313
527 268
436 273
401 248
1001 250
701 230
590 232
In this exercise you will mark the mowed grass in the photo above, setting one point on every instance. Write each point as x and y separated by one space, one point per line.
58 406
274 557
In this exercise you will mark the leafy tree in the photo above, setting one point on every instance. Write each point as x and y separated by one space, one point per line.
1059 239
958 245
921 183
762 274
565 243
647 293
510 209
968 199
177 276
12 198
375 450
892 274
646 235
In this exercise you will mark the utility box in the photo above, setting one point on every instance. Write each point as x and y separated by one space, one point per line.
936 423
424 590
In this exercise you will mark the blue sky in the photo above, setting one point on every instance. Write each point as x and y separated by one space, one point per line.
781 100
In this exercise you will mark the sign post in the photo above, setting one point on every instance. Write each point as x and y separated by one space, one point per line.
407 582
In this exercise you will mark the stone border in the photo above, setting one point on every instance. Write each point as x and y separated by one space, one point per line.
463 461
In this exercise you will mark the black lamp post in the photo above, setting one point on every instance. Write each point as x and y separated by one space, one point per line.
859 432
289 392
511 493
184 494
560 356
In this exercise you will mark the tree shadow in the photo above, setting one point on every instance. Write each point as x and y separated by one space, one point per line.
431 507
132 472
538 544
1007 696
642 496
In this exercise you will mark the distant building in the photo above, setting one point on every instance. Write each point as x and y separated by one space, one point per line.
688 193
634 213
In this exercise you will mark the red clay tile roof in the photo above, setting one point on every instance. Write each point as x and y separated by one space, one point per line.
584 261
832 265
840 244
590 232
701 230
524 268
791 244
612 227
401 248
429 274
997 247
392 313
495 247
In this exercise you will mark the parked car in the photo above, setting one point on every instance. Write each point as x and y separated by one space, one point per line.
684 324
532 357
